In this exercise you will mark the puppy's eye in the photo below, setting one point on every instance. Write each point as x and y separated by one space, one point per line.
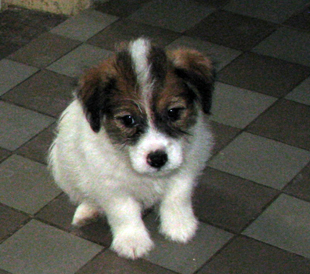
128 121
174 114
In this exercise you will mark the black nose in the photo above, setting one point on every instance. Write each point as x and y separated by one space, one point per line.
157 158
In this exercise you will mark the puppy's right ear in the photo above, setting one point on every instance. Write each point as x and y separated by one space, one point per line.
93 93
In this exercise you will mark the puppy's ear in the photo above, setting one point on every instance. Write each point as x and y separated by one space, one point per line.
93 93
197 73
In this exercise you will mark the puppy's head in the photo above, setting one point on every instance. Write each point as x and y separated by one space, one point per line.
148 101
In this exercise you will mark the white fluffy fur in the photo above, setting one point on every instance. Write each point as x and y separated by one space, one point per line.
97 176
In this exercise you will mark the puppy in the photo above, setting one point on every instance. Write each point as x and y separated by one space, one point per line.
136 135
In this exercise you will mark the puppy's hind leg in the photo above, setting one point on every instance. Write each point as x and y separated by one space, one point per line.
84 214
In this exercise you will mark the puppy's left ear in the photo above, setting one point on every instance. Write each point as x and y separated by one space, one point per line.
197 72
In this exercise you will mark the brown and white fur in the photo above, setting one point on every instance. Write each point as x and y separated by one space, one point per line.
136 135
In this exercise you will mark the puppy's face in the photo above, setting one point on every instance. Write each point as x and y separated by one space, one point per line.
148 100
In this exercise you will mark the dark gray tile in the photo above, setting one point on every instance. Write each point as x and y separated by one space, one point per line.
228 201
232 30
176 15
300 20
37 148
120 7
44 50
4 154
125 30
286 121
223 134
108 262
10 221
247 256
299 186
263 74
47 92
60 212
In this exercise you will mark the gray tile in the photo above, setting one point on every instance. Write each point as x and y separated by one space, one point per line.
220 55
44 50
301 93
4 154
285 121
13 73
37 148
247 256
47 92
78 60
228 201
263 74
287 44
108 263
232 30
285 224
185 258
84 25
19 125
126 30
39 248
300 20
10 221
261 160
238 107
174 15
270 10
26 185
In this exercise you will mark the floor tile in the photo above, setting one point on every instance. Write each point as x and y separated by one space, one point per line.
247 256
223 134
108 262
4 272
301 93
220 56
287 44
284 224
174 15
47 92
37 148
13 73
261 160
77 61
228 201
26 185
19 125
286 121
263 74
10 220
185 258
44 50
231 30
300 20
237 107
266 9
299 186
120 7
126 30
39 248
60 213
4 154
85 25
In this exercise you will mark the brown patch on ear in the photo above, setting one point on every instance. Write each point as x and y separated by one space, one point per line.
95 86
197 72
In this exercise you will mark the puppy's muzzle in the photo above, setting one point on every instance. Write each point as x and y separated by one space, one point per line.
157 159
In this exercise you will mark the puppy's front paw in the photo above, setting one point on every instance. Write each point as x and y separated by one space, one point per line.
179 228
132 243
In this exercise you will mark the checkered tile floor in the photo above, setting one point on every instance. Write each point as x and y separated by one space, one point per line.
253 200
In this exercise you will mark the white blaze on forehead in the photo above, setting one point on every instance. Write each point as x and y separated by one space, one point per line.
140 50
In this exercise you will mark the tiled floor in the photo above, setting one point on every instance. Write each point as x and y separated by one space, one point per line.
253 199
